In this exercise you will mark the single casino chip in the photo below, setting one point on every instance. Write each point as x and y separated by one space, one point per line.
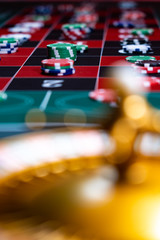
3 96
57 63
142 31
147 70
104 95
81 47
8 45
141 48
74 26
61 72
8 51
132 37
123 24
56 68
148 63
135 41
134 59
8 40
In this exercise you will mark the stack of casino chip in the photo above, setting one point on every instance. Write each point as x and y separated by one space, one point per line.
75 31
147 66
8 45
135 45
20 37
62 50
134 40
58 67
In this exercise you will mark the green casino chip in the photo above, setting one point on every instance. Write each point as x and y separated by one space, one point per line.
142 31
133 59
74 26
8 40
40 17
60 45
81 48
62 50
49 67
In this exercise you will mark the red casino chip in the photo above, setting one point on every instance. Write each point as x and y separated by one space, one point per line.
57 62
87 18
146 70
74 34
133 15
88 8
151 83
104 95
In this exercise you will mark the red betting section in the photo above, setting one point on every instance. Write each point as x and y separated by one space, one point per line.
22 70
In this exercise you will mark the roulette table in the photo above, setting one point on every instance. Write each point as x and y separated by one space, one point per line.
80 148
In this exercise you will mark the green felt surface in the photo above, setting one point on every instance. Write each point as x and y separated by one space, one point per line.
13 111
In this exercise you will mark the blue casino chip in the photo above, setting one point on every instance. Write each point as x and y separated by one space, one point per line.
43 9
8 46
58 72
123 24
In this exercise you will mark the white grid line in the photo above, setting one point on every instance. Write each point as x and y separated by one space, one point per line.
102 48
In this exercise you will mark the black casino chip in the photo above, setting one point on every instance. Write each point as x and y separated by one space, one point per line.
148 63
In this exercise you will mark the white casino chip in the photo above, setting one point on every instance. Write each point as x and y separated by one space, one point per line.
141 48
37 25
20 29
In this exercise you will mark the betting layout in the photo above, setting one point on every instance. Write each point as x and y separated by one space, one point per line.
29 84
34 83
